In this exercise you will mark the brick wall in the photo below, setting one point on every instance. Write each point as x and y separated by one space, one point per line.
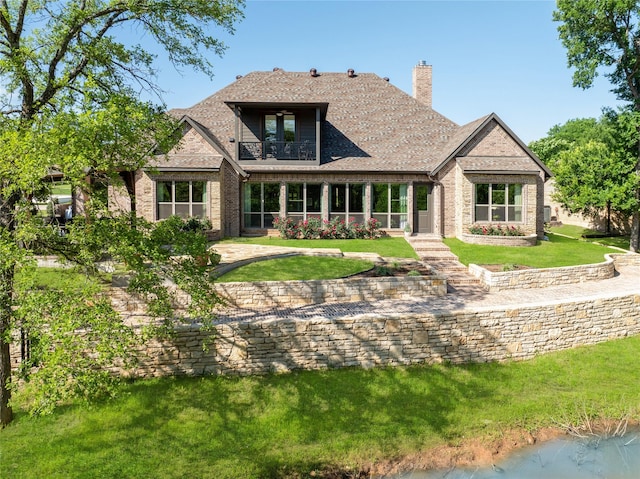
530 196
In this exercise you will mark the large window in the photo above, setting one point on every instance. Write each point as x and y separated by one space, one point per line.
347 201
498 202
389 204
181 198
304 200
261 204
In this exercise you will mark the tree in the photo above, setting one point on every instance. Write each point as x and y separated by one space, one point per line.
68 103
605 34
593 171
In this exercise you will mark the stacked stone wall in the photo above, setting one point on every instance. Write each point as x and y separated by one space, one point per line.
544 277
388 339
529 240
269 294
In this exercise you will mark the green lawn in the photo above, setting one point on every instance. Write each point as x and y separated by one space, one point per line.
558 251
297 268
388 247
284 426
581 233
66 279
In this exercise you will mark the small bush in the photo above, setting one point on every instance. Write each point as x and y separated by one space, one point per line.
383 271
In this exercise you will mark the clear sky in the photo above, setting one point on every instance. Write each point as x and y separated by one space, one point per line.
487 56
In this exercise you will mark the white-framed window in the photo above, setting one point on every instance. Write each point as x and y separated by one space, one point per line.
181 198
498 202
304 200
347 201
261 204
389 204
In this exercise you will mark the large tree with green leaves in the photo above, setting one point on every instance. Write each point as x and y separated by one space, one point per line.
69 73
603 36
592 165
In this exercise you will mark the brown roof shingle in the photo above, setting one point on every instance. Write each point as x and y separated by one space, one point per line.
370 124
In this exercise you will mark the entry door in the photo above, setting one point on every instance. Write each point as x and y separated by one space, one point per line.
423 208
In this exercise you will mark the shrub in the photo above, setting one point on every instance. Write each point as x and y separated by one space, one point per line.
336 228
310 229
495 230
287 228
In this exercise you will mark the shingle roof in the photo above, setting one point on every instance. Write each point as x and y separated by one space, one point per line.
192 161
494 164
370 124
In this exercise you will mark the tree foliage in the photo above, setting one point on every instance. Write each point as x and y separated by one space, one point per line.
592 165
70 71
603 36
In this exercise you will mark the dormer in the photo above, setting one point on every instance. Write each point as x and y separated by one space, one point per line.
278 133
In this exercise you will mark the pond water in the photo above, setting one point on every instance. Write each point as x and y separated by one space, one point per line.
573 458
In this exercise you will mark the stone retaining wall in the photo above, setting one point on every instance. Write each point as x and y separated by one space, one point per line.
541 278
267 294
382 339
529 240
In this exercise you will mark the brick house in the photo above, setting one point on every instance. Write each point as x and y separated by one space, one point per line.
346 145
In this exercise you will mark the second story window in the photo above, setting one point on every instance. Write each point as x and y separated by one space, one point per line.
279 135
279 127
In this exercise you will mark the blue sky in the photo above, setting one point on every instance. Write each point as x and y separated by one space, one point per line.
487 56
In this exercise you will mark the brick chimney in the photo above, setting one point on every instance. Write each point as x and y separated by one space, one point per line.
422 83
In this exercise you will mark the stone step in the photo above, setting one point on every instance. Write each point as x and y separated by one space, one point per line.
438 255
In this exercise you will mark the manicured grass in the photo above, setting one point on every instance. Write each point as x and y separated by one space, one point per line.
297 268
66 279
61 189
578 232
287 425
388 247
558 251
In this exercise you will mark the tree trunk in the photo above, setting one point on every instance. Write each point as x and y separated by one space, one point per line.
635 232
6 292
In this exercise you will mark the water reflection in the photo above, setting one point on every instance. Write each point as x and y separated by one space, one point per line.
574 458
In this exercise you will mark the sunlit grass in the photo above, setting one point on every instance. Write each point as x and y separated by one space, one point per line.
388 247
586 234
297 268
279 426
558 251
65 279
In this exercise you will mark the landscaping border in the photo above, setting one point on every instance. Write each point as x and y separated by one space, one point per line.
544 277
528 240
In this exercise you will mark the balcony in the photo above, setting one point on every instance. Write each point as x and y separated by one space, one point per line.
278 150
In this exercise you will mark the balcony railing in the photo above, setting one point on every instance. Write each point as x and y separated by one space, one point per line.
278 150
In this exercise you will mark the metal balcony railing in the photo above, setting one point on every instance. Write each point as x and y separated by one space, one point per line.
278 150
